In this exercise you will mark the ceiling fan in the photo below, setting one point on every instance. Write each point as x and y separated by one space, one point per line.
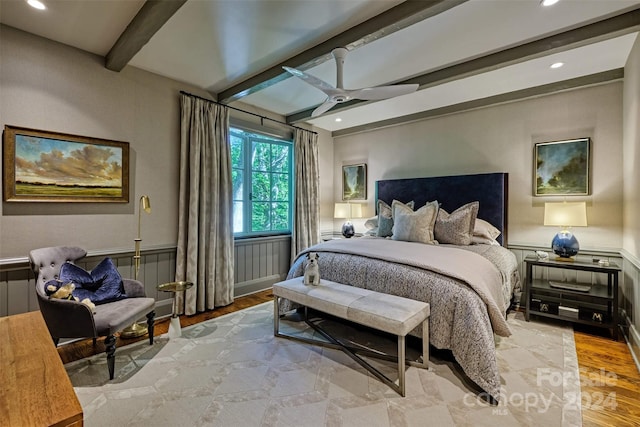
338 94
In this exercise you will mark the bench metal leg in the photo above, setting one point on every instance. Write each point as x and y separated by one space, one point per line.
425 344
332 342
401 356
276 316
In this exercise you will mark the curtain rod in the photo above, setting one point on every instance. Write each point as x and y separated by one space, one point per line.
246 112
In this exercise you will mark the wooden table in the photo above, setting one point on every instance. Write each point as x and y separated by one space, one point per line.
35 389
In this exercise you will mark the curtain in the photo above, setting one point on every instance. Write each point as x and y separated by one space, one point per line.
306 212
205 230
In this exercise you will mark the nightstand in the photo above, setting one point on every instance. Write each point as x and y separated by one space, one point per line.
325 237
596 306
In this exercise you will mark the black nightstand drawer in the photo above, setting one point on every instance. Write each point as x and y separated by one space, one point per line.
544 306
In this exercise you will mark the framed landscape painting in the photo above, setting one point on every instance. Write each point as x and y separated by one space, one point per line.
42 166
354 182
562 167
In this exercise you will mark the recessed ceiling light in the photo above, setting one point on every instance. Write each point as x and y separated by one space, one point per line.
557 65
549 2
338 119
36 4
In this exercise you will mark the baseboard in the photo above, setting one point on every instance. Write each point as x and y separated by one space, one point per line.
257 285
164 308
632 334
633 341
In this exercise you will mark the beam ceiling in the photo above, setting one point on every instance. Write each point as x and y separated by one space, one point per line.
598 31
394 19
149 19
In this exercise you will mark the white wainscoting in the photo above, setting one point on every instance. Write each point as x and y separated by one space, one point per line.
258 264
263 261
631 303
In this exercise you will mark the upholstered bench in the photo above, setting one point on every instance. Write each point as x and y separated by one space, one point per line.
388 313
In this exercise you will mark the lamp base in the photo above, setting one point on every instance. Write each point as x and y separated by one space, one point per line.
347 230
134 331
565 245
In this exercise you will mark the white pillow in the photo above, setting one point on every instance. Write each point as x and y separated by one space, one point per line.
479 240
483 229
396 204
415 226
371 223
385 216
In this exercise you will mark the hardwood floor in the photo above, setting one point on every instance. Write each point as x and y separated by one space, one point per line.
81 349
610 381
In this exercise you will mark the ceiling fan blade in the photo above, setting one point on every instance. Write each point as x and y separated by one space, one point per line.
325 106
382 92
313 81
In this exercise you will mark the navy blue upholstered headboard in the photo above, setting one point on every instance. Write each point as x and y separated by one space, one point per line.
490 189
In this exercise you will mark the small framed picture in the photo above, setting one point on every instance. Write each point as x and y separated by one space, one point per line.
562 168
354 182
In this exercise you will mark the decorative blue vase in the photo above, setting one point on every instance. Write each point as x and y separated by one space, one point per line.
348 230
565 244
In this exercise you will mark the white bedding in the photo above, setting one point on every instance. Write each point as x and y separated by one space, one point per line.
466 286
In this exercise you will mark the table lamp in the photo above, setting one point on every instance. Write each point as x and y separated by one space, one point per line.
565 215
347 211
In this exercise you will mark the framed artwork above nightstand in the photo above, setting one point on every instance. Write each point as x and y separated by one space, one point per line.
562 168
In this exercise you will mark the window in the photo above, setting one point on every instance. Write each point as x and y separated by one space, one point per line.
262 183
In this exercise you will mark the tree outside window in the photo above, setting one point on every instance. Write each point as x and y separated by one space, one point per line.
261 183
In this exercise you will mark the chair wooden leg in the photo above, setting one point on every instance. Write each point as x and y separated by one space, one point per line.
110 345
150 324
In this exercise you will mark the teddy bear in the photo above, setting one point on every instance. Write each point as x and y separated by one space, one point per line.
56 289
312 269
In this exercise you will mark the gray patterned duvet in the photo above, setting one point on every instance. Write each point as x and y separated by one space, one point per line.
462 320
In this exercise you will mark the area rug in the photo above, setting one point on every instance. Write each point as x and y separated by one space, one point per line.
231 371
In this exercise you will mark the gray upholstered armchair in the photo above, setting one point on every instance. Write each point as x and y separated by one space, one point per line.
71 319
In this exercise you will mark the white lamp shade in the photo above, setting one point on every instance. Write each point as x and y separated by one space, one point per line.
566 214
347 210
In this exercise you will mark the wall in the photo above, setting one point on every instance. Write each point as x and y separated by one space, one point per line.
50 86
631 171
258 264
501 139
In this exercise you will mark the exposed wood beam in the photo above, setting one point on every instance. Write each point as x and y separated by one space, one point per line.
383 24
591 33
590 80
149 19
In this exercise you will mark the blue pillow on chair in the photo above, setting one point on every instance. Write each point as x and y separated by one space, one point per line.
102 285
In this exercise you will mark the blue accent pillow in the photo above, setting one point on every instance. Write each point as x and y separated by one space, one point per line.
102 285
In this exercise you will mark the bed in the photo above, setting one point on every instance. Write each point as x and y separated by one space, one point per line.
469 286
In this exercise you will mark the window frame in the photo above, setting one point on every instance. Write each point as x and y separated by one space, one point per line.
273 137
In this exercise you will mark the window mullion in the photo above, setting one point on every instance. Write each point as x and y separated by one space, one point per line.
248 180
